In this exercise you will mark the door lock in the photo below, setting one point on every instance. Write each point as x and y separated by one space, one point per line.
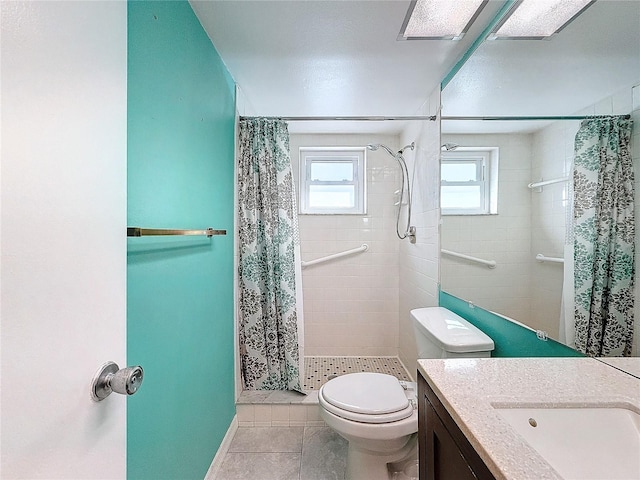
110 378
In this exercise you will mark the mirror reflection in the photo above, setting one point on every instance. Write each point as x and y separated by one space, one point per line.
508 192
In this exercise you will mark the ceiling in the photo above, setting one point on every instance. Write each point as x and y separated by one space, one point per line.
593 57
330 58
341 58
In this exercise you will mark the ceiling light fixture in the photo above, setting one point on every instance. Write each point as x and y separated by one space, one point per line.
439 20
538 19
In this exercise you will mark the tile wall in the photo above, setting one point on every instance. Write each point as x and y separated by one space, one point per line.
351 303
418 262
504 237
280 415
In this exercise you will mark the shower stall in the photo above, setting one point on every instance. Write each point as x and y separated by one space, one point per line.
356 306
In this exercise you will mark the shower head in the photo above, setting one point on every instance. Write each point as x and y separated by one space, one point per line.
450 146
405 188
411 146
375 146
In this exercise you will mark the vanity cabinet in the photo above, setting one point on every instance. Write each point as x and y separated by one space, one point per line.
445 452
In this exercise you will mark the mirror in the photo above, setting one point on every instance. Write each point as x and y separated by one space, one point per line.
589 68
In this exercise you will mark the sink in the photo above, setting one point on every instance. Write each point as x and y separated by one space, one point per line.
582 443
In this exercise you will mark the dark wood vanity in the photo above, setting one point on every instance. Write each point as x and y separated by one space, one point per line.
445 452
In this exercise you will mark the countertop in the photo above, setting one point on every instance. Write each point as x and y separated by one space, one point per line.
630 365
470 388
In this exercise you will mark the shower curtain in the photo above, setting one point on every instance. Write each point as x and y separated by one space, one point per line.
270 293
604 234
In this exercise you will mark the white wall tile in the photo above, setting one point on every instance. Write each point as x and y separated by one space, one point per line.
297 415
504 237
419 266
246 415
279 415
262 415
340 293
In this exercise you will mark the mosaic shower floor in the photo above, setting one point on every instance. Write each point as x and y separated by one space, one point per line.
318 370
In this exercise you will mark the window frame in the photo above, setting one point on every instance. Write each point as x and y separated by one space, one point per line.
357 156
486 160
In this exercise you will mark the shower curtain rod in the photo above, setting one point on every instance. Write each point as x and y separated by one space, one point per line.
350 119
547 117
433 118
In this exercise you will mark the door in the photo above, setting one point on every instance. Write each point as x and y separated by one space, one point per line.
63 237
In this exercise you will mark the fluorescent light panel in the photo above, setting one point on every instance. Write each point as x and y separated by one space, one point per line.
537 19
439 19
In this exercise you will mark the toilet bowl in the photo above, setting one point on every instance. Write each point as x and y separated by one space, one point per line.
376 413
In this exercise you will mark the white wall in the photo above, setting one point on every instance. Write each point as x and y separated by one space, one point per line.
63 193
505 237
351 304
419 264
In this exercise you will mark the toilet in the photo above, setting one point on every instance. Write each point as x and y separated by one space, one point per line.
378 414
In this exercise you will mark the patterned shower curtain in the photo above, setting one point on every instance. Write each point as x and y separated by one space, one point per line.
270 320
604 235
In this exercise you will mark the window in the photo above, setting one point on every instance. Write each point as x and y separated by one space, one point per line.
332 180
469 182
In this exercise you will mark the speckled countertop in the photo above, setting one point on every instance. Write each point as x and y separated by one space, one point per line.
470 388
629 365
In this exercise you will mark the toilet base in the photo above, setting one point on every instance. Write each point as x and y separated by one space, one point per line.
367 465
407 469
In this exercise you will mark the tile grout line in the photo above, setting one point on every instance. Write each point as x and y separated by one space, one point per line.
301 454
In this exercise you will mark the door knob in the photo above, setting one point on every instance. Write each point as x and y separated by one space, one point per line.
110 378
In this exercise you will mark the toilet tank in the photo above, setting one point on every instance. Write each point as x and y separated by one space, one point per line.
440 333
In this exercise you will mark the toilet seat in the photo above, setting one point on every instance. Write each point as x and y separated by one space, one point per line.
366 398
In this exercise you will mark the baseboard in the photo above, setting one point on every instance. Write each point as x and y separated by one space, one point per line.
222 450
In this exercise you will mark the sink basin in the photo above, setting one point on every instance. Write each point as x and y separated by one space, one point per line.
582 443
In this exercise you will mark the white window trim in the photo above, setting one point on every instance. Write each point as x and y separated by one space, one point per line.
359 179
488 182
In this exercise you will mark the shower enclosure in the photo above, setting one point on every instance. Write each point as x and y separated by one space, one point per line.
356 307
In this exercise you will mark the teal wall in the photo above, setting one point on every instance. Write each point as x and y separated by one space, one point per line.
179 289
510 339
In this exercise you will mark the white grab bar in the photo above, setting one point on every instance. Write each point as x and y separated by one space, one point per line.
542 183
488 263
362 248
541 258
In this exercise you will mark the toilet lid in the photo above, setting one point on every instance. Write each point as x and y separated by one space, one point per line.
367 394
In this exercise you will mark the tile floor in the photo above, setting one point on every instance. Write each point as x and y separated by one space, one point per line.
284 453
293 453
281 435
259 408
